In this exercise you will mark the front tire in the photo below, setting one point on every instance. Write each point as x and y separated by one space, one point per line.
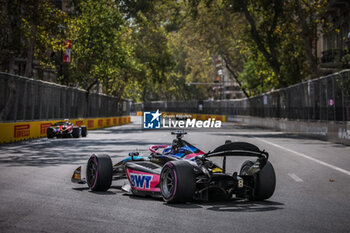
50 132
76 132
84 131
99 172
177 182
264 181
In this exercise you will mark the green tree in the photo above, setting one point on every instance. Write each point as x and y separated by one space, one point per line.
31 29
98 35
284 32
211 28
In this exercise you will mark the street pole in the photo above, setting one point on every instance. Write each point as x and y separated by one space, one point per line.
222 87
61 32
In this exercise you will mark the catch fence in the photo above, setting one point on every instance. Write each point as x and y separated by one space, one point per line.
323 99
23 99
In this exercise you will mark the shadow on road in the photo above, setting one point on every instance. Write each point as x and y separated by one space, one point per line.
246 206
116 190
234 205
114 130
301 139
50 152
103 193
274 134
265 135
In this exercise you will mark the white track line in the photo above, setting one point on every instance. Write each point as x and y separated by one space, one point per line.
295 177
307 157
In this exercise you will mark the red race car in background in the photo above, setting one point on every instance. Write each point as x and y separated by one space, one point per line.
65 129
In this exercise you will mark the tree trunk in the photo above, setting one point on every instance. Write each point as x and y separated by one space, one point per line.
11 63
9 98
307 36
92 85
228 62
270 58
8 55
30 52
119 93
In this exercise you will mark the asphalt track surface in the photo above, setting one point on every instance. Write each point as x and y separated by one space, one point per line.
36 194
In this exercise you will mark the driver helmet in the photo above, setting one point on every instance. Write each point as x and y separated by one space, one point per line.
174 146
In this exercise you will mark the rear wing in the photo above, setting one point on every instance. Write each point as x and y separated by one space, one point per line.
260 154
240 149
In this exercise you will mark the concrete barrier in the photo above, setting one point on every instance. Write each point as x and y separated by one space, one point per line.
338 132
17 131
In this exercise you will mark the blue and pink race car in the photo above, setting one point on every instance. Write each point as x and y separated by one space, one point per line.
181 173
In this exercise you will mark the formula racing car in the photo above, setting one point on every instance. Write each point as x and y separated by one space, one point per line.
181 172
65 129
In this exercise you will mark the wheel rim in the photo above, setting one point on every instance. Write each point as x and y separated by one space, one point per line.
168 183
92 170
245 170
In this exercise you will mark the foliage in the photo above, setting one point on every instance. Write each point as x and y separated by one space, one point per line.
32 29
284 33
98 36
153 50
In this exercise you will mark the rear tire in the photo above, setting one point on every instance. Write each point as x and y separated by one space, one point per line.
99 172
76 132
177 182
50 132
84 131
264 181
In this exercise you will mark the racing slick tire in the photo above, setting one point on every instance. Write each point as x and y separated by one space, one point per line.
99 172
76 132
84 131
50 132
264 181
177 182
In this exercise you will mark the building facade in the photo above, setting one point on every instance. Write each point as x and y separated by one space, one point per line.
333 47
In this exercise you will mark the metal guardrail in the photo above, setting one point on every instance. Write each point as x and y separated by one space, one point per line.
28 99
326 98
